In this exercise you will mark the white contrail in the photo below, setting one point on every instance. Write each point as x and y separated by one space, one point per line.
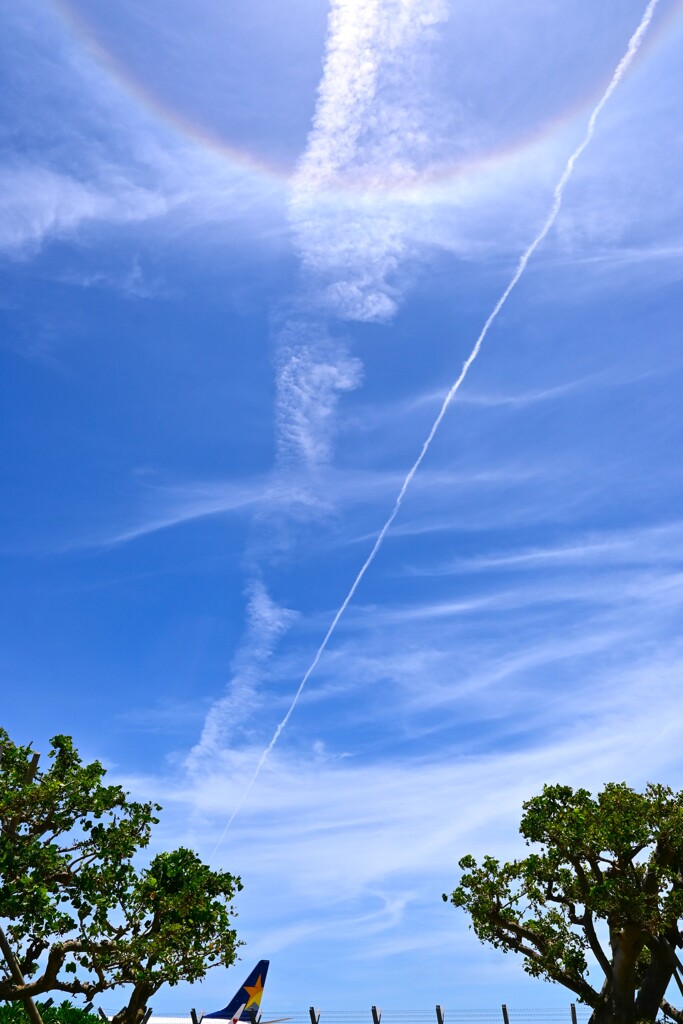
622 67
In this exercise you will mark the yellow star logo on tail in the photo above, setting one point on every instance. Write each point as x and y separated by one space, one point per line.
255 992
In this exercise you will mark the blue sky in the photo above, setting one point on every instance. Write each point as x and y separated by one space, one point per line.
245 250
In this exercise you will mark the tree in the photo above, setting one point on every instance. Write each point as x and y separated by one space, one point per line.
601 893
65 1013
77 915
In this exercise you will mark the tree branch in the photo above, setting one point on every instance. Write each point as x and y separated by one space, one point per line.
598 951
671 1011
518 933
32 1010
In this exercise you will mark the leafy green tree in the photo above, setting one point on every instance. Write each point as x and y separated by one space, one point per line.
600 894
77 915
65 1013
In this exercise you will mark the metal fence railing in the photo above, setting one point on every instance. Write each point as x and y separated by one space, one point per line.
574 1013
568 1014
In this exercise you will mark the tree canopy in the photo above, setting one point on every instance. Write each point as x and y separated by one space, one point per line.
600 896
77 913
63 1013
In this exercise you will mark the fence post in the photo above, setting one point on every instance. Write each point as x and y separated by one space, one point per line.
314 1014
439 1015
102 1015
506 1019
572 1010
148 1014
376 1015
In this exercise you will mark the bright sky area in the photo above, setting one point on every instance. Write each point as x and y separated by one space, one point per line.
245 249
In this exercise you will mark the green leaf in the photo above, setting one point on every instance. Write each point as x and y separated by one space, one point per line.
71 873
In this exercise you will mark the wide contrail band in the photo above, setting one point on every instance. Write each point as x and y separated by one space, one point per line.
620 71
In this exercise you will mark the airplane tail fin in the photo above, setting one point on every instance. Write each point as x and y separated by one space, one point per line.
246 1003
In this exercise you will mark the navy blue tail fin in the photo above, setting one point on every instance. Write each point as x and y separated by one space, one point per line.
248 997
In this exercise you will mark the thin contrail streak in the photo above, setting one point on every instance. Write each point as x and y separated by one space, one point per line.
621 68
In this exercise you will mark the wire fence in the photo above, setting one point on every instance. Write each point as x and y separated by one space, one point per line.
444 1015
574 1013
571 1014
511 1015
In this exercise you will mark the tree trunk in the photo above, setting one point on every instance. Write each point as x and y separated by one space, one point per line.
618 1003
656 981
32 1011
611 1012
137 1004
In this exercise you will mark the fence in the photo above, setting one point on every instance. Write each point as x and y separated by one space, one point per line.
572 1014
440 1015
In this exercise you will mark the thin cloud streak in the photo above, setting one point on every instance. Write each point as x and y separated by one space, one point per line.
369 418
175 506
281 494
641 545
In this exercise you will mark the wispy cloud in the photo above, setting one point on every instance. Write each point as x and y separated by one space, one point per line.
312 373
368 122
369 130
292 492
36 202
266 623
458 710
322 839
110 162
131 281
378 415
164 507
638 546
